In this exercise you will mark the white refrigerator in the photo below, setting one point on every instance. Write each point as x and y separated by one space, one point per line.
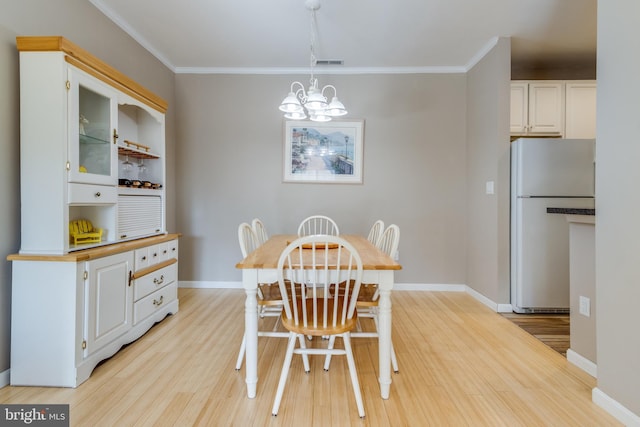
546 173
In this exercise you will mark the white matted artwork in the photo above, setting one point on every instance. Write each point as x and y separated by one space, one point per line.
330 152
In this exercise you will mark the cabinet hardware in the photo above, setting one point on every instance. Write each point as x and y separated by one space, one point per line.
84 344
86 275
130 278
115 136
158 302
159 281
68 166
164 252
144 258
155 254
98 194
68 85
123 236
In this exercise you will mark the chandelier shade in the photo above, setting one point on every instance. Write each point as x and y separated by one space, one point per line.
312 102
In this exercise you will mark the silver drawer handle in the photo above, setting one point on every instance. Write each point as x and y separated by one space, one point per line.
159 281
158 302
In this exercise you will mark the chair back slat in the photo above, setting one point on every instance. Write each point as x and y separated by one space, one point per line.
318 224
260 230
314 273
389 241
247 239
376 231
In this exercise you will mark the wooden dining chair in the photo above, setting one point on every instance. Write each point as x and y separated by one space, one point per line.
318 224
376 231
368 297
316 262
269 297
260 230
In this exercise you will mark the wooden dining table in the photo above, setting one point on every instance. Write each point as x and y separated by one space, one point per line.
260 266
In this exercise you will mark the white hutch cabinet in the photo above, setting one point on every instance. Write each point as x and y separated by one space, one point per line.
92 152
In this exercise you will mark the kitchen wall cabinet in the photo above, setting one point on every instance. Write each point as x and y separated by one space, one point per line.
537 108
92 148
70 312
563 109
580 121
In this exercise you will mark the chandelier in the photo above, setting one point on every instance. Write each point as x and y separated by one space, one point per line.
298 103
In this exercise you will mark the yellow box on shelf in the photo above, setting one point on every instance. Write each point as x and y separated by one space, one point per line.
82 231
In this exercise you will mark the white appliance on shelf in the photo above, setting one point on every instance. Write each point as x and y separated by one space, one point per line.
546 173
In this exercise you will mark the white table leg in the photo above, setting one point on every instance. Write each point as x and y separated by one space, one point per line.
384 332
250 284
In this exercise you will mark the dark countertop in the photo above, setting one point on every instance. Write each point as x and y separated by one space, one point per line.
571 211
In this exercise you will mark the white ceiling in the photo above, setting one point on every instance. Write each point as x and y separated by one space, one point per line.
263 36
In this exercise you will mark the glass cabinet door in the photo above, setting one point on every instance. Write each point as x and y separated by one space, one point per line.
92 131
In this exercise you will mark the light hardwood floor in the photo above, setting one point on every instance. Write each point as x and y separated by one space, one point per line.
460 365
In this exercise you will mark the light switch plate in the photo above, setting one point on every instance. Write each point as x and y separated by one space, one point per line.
585 306
489 187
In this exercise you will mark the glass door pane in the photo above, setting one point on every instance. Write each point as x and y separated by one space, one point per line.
94 133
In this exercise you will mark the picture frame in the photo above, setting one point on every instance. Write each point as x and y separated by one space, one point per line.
323 152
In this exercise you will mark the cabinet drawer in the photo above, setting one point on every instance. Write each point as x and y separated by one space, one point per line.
151 303
149 283
92 194
141 258
151 255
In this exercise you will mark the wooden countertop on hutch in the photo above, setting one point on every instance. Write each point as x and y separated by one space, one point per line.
97 252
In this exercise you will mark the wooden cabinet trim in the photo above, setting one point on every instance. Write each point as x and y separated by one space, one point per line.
155 267
87 62
98 252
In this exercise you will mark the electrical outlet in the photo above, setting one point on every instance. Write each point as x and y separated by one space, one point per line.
585 306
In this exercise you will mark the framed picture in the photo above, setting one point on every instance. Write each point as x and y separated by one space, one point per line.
323 152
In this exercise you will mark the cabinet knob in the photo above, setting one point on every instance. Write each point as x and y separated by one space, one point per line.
144 258
115 136
98 194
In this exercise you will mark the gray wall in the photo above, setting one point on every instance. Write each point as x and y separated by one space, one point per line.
85 26
618 203
488 154
231 132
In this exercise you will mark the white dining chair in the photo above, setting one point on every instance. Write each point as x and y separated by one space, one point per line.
260 230
312 310
318 224
368 298
269 298
376 231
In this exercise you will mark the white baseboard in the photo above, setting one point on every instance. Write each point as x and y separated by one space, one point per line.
396 287
498 308
433 287
209 284
613 407
5 378
583 363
